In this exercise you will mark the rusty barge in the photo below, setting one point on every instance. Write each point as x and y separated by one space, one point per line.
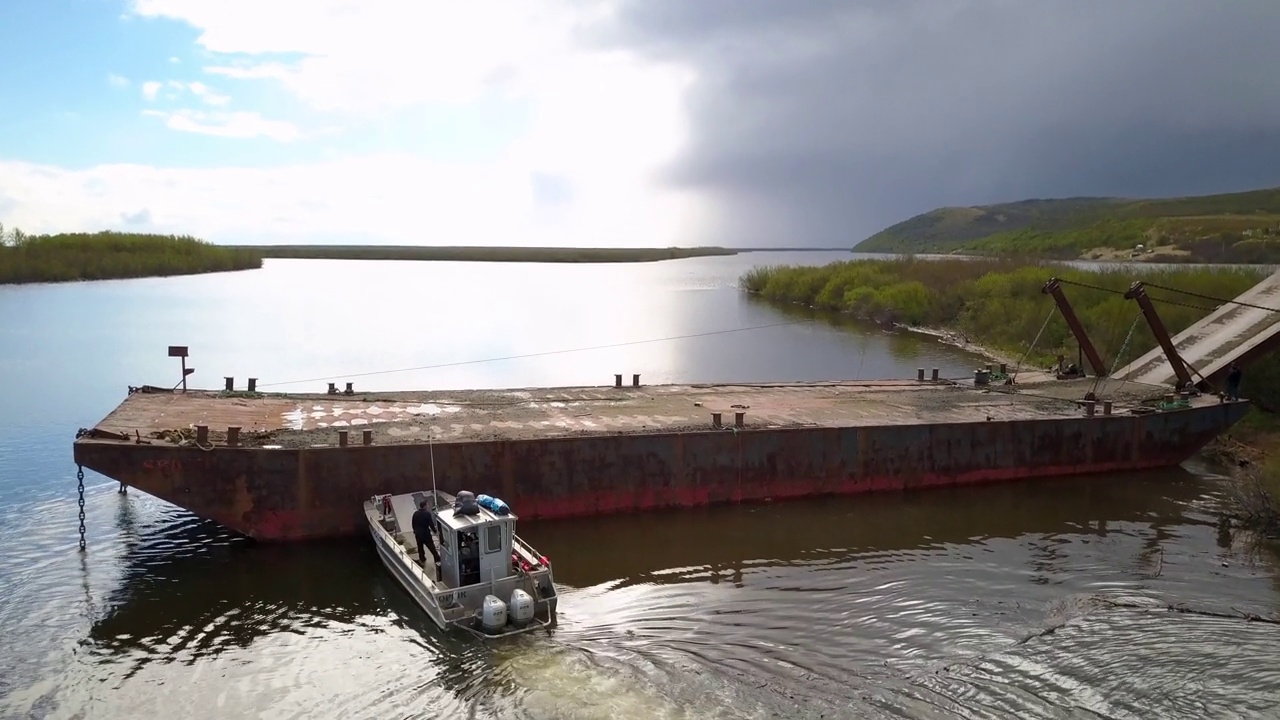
298 466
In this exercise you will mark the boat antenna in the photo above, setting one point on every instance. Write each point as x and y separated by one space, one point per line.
431 450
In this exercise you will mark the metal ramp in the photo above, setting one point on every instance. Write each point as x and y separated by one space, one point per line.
1233 332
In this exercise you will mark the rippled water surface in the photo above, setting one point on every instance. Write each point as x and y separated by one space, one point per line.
1048 599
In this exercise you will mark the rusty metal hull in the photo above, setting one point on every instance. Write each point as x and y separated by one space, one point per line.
316 492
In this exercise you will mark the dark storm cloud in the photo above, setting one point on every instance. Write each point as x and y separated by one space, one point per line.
818 122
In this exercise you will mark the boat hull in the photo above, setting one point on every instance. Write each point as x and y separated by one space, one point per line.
459 607
396 567
316 492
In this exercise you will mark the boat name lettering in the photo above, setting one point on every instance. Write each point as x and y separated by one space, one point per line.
162 465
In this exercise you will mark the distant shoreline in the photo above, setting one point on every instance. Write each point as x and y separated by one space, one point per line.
463 253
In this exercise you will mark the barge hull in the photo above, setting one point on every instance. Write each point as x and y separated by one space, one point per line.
298 493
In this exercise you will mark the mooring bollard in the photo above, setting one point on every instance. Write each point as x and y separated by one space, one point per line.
981 377
342 438
233 436
617 380
920 374
739 419
1004 369
202 434
635 380
333 388
253 384
366 436
1106 407
350 388
715 420
1089 407
231 382
934 377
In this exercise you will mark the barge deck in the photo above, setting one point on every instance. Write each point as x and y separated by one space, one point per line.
314 420
292 466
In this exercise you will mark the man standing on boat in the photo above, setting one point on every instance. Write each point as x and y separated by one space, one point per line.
424 523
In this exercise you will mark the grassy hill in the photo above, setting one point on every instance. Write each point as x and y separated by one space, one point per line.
1232 227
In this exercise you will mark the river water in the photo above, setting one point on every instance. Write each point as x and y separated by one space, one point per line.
1025 600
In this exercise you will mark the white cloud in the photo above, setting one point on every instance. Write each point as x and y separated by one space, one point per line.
207 95
227 124
119 81
368 56
388 198
600 124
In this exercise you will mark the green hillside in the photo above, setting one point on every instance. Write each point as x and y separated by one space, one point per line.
1232 227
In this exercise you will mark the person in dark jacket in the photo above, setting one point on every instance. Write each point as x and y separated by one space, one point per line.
424 522
1233 382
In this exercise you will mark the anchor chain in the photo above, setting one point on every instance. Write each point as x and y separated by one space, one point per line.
1018 368
1124 347
80 489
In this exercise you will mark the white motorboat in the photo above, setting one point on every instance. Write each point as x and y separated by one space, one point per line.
489 582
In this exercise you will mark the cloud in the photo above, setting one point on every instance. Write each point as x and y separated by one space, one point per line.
141 217
821 122
227 124
118 81
383 198
208 96
369 56
203 92
570 137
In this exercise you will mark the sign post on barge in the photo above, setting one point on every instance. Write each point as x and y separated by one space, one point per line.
180 351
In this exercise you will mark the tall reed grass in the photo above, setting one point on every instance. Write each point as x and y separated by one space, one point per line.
107 255
999 303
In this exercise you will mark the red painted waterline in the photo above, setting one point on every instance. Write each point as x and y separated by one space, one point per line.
610 502
280 525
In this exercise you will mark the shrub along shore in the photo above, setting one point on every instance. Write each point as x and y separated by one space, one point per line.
998 305
112 255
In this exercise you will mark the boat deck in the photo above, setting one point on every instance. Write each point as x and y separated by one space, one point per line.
304 420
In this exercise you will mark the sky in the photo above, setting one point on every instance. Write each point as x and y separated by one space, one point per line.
616 122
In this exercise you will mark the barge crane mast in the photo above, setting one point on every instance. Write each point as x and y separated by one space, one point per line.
1054 288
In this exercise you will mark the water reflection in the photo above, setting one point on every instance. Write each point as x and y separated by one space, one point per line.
191 593
879 352
720 543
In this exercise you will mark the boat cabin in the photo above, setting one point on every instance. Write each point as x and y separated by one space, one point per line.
474 547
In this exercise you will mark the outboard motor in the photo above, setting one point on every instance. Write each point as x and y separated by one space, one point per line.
521 608
493 614
465 504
